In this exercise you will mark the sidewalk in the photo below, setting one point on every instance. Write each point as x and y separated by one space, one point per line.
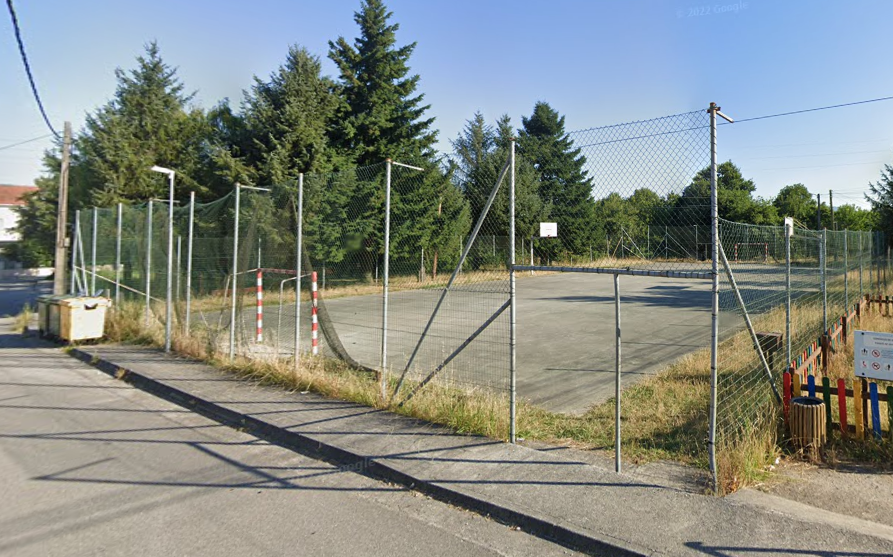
575 503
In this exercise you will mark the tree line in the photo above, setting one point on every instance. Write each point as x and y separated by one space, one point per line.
299 120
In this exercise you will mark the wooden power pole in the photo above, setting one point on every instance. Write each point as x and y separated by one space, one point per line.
831 203
819 212
62 214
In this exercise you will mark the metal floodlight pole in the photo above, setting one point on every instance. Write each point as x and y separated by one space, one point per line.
93 252
189 240
232 316
298 255
118 228
714 325
788 232
513 308
617 362
169 301
385 279
822 261
149 265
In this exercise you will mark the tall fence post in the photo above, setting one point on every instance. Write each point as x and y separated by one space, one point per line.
513 337
788 232
169 299
617 337
232 317
189 239
385 283
823 256
846 273
298 255
75 238
149 265
93 252
118 226
861 285
714 325
179 272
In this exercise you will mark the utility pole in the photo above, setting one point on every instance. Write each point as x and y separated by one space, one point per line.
62 214
831 203
819 212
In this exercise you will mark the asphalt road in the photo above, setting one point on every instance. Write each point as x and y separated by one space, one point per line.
91 466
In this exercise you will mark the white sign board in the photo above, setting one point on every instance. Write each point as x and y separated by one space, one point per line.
873 355
789 226
548 230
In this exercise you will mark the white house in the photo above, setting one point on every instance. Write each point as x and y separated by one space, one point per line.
10 198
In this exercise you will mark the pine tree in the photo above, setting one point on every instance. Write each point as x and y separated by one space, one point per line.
382 118
564 184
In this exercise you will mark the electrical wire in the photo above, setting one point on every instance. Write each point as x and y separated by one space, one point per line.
18 34
11 145
879 99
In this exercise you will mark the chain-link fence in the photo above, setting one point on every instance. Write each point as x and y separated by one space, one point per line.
404 268
781 292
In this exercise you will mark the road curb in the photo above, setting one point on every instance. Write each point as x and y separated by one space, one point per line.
301 443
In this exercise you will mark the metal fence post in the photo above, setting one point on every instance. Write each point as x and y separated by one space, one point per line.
384 282
149 265
714 325
298 255
169 300
861 285
118 227
74 247
846 274
788 232
617 462
179 272
822 262
189 240
232 315
513 337
93 252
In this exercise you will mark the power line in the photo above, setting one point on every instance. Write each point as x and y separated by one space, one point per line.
11 145
813 109
15 25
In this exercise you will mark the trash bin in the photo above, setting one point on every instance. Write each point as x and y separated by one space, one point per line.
82 317
43 315
48 315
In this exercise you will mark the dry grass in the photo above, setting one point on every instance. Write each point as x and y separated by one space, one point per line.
663 416
23 319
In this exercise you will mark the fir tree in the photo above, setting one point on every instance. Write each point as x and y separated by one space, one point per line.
383 117
147 123
564 184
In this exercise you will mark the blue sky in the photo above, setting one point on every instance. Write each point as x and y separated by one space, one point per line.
597 62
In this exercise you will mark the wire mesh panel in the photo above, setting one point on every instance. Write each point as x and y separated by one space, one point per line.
827 276
641 199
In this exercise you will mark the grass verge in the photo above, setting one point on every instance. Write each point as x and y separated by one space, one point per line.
23 319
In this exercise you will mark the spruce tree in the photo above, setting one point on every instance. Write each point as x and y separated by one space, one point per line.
564 184
881 199
148 122
383 117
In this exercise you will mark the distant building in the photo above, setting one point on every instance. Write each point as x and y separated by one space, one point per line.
10 198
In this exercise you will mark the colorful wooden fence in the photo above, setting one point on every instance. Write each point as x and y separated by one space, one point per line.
803 371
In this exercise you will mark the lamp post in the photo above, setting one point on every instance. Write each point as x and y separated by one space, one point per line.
170 260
